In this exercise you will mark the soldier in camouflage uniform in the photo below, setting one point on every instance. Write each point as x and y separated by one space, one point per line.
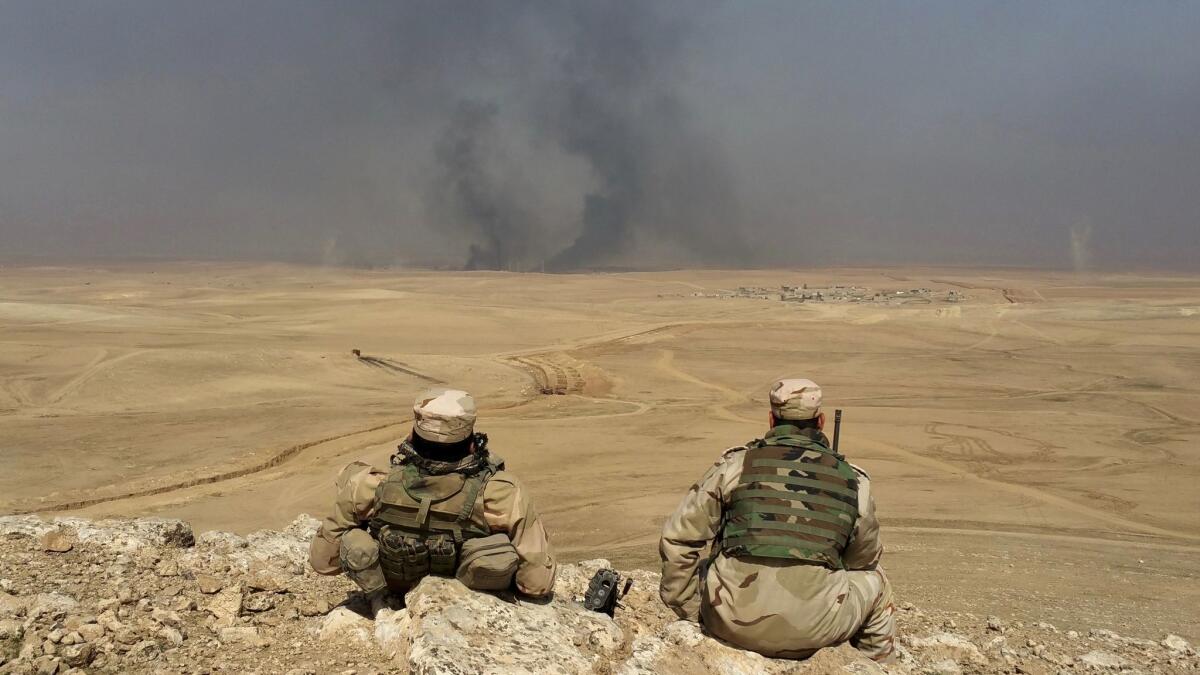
794 563
446 506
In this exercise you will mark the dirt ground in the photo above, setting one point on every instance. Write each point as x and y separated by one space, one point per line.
1034 445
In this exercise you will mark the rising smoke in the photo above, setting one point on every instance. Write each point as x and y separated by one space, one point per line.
467 195
1081 246
611 101
593 113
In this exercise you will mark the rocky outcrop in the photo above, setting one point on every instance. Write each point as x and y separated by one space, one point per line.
446 628
128 535
148 596
682 648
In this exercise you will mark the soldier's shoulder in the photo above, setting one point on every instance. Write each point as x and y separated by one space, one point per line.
731 452
862 473
730 458
502 491
355 467
503 477
355 471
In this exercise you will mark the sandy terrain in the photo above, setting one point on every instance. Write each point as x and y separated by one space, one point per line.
1035 446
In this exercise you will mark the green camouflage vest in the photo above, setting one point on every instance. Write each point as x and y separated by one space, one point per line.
796 500
423 518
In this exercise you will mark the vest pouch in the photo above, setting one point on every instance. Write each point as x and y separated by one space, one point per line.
488 563
443 557
405 558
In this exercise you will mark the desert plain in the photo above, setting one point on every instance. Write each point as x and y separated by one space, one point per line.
1033 437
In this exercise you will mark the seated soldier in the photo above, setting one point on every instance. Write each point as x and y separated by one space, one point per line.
794 564
445 507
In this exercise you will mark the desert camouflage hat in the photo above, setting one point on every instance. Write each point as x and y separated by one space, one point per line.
795 399
444 415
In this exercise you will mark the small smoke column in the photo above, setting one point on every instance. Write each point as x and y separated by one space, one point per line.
593 115
467 195
1081 252
616 106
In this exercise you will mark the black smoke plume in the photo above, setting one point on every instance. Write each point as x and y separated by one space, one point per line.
468 196
594 111
617 106
611 100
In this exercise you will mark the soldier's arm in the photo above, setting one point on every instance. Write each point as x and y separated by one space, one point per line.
354 504
685 534
864 549
507 509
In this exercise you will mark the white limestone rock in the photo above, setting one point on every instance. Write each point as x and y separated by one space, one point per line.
344 624
128 534
451 629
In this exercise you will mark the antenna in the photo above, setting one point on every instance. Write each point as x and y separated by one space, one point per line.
837 427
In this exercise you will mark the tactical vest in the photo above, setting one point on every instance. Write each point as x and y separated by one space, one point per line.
796 500
422 520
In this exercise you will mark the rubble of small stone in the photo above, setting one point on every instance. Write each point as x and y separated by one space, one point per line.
147 595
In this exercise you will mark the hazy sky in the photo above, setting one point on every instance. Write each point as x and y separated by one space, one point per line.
585 133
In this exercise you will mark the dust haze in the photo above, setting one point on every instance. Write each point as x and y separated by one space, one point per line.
564 136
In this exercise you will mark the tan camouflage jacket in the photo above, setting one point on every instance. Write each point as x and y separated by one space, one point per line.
506 508
803 588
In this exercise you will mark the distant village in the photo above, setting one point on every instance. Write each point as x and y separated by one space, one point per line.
836 294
